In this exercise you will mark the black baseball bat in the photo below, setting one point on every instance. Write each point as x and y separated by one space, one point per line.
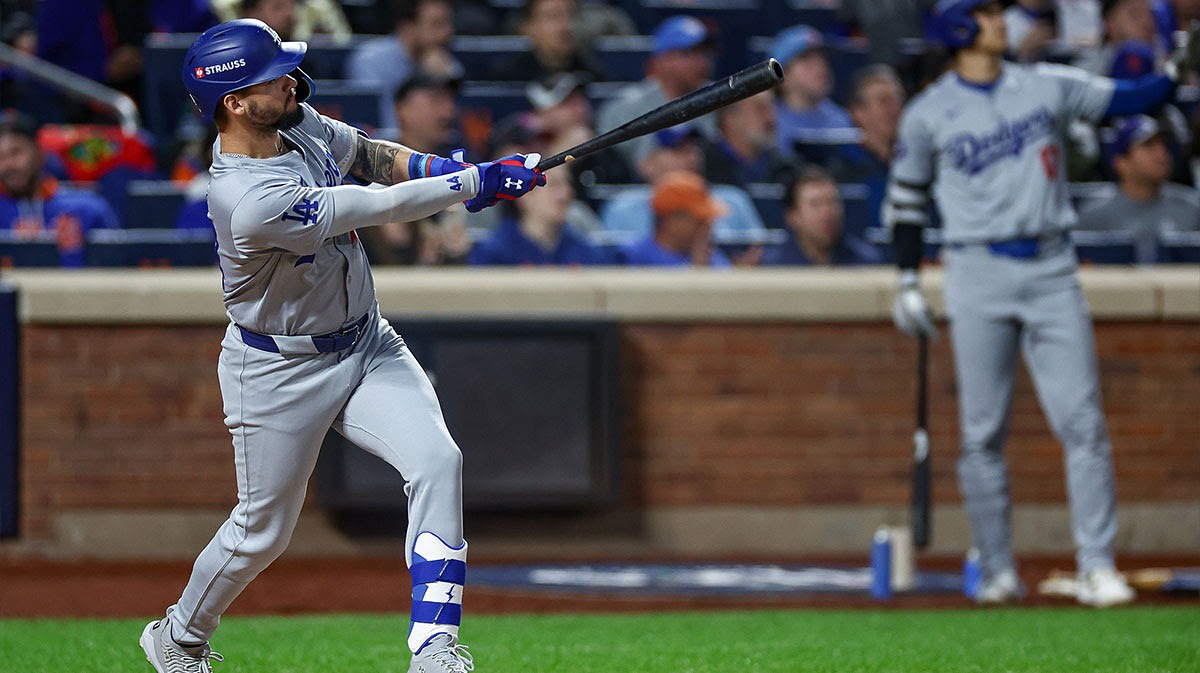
752 80
921 468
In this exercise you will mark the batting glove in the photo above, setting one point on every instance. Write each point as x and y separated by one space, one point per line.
910 311
507 178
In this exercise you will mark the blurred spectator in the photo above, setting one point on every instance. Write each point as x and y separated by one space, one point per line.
427 112
280 15
520 135
888 25
876 102
1146 204
292 19
426 109
595 18
32 202
1079 25
1125 21
99 39
815 218
1173 15
682 61
560 117
745 151
18 30
665 152
1031 29
421 39
547 24
182 16
804 112
683 220
534 232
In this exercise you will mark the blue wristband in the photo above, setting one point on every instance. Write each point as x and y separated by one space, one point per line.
431 165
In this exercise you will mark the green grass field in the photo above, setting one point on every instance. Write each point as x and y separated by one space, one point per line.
1061 640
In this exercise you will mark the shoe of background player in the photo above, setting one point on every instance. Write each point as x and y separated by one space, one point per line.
1003 587
1104 587
442 654
167 656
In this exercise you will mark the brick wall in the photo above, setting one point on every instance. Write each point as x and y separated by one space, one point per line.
129 417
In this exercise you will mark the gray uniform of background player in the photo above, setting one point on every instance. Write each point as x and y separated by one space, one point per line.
292 266
994 158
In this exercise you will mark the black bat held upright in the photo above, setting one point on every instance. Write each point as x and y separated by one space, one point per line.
921 468
752 80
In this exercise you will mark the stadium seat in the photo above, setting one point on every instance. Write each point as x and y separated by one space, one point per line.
152 204
477 53
625 55
150 248
1179 247
352 104
19 251
1104 247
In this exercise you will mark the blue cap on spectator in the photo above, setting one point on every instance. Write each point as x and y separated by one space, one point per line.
1133 59
1129 132
796 41
668 137
679 32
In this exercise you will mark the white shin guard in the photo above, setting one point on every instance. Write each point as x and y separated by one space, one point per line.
438 574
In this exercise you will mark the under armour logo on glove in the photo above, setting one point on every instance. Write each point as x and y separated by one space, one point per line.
508 178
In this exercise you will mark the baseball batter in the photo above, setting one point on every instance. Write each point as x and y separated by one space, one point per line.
306 348
986 141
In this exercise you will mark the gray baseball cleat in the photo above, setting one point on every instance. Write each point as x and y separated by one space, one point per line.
442 654
167 656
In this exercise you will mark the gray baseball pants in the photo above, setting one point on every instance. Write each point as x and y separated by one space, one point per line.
996 304
278 409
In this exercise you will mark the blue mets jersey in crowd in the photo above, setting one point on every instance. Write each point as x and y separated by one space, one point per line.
993 153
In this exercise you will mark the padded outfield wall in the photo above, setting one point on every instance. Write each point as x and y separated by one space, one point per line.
761 413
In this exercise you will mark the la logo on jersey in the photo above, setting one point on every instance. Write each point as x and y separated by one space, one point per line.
510 183
201 73
455 183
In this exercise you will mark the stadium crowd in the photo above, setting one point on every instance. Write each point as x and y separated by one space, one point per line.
793 176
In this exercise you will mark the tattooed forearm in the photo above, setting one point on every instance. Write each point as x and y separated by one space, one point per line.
376 161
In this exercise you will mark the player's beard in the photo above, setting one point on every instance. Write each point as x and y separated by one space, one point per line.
281 122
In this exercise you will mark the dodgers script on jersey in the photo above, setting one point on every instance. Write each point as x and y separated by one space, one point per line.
994 154
281 275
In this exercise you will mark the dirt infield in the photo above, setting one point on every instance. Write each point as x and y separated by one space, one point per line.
39 588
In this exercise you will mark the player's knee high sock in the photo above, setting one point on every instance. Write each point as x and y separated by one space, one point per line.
438 574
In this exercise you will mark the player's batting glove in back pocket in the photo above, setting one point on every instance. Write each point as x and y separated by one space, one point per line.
506 178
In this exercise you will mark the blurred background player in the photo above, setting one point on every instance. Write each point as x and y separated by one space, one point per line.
985 138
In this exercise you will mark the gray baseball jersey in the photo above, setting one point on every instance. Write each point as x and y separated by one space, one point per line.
279 276
996 152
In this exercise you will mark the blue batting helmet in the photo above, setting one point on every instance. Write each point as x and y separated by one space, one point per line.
955 26
237 54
